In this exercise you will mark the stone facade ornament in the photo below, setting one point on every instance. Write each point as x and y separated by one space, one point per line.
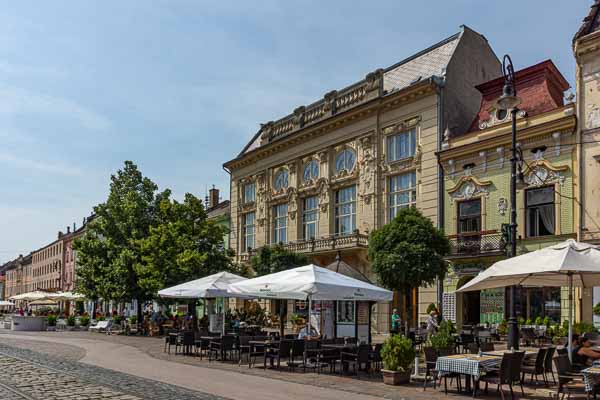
323 195
468 187
502 205
266 132
374 79
556 136
292 196
541 172
500 152
499 117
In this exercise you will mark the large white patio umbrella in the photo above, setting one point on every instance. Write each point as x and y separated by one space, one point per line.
5 303
310 282
569 263
208 287
32 296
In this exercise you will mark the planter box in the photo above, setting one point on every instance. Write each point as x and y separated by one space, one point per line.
395 377
70 328
51 328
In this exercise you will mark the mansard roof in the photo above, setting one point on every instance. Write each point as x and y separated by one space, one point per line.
591 23
428 63
540 87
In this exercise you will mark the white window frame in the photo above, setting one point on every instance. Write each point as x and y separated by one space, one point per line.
280 214
339 216
408 150
345 166
310 213
395 192
249 231
249 192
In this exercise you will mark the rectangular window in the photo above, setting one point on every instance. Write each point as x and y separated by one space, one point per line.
310 217
249 231
403 192
540 211
345 211
280 223
345 311
469 216
250 192
401 145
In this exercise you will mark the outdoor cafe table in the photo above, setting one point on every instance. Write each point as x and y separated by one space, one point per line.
340 346
591 377
500 353
471 365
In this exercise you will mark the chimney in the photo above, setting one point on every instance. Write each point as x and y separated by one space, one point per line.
213 197
68 230
60 234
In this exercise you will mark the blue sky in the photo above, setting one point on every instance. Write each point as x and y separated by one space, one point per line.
179 86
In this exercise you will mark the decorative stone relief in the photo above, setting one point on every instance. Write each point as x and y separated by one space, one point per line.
495 120
367 169
292 196
541 172
556 137
266 132
468 187
323 195
500 152
593 116
502 205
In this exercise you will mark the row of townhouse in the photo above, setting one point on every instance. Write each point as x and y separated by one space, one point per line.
425 132
49 268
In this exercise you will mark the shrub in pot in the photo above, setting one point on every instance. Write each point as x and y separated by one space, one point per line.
398 355
442 340
84 322
70 322
51 322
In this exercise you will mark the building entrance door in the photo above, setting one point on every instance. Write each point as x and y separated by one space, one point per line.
471 308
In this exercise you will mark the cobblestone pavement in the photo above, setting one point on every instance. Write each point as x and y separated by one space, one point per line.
27 374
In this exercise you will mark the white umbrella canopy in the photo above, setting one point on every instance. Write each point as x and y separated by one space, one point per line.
550 266
311 282
208 287
569 263
67 296
33 296
4 303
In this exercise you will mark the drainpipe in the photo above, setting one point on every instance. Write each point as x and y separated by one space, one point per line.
230 205
440 82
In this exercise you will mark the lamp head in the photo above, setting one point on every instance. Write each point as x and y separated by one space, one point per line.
508 100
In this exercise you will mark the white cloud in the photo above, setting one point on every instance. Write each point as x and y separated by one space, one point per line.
22 101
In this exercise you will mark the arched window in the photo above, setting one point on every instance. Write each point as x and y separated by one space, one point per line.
345 160
311 170
281 180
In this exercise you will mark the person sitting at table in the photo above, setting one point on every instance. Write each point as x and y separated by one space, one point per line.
304 333
582 352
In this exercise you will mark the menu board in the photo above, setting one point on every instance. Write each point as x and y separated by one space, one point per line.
363 312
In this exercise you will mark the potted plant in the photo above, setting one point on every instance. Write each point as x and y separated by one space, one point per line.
84 323
70 322
398 355
51 323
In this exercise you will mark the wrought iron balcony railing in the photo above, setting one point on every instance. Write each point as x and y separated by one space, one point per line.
329 243
476 243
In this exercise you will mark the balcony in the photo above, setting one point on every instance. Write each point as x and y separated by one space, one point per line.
473 244
321 245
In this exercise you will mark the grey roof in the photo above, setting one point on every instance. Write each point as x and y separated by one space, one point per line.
591 23
429 62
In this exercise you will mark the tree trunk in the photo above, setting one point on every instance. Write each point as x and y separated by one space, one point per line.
94 306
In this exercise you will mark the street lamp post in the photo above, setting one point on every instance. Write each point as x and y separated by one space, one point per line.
510 101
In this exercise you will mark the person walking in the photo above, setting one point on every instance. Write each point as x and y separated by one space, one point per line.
395 321
432 324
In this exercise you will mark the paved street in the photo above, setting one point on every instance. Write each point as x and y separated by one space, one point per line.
138 366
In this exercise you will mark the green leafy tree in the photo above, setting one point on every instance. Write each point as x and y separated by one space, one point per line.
183 245
408 252
273 259
109 253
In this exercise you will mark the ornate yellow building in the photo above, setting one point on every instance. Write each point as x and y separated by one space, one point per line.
322 178
586 48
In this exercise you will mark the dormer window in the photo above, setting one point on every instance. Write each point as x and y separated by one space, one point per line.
311 170
281 180
345 160
501 114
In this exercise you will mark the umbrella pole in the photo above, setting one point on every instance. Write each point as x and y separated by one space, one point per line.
309 310
570 279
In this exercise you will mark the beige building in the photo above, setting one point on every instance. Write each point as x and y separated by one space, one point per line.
586 47
322 178
18 276
46 266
